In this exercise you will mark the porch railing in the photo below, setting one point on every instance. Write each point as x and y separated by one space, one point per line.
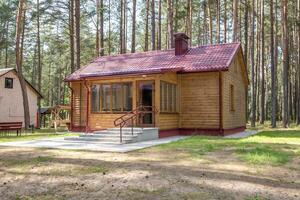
132 117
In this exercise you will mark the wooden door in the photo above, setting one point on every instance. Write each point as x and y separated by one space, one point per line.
145 99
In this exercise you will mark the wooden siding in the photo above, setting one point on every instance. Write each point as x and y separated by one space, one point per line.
235 77
199 100
79 104
168 121
102 121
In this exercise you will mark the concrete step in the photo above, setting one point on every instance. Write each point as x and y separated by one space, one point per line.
117 132
135 129
108 135
102 140
112 135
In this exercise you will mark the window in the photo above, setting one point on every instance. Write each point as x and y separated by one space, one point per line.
9 83
106 97
168 97
116 97
231 98
95 98
127 97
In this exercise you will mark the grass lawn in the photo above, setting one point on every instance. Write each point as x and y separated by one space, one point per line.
264 166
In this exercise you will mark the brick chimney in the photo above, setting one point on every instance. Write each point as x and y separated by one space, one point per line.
181 43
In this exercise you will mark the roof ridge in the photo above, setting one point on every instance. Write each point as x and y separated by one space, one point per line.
158 51
7 69
218 44
129 53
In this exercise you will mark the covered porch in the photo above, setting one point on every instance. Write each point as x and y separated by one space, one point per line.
126 101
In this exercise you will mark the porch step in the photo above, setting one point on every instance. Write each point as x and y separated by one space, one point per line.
108 140
116 132
108 135
112 135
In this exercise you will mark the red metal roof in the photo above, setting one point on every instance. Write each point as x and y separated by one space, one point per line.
197 59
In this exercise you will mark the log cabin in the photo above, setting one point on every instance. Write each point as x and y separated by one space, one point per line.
181 91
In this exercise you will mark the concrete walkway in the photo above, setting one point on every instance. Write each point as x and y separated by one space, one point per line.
243 134
60 143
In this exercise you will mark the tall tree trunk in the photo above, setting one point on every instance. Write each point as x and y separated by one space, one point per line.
276 58
225 21
133 26
298 60
246 50
146 26
262 63
77 27
235 20
205 23
23 36
71 34
97 28
170 24
34 68
199 34
101 28
19 21
273 71
121 27
125 26
6 45
159 26
176 18
189 21
285 60
109 27
253 88
153 25
210 22
246 32
39 62
218 21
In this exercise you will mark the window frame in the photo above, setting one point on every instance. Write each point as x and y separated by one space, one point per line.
6 81
168 92
110 92
98 87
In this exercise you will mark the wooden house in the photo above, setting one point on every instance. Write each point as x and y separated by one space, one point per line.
182 91
11 99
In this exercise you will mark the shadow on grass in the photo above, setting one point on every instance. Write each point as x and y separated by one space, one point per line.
280 134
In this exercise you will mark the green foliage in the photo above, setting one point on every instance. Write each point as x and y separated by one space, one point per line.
263 155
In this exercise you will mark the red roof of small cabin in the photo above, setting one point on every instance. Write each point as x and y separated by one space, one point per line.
197 59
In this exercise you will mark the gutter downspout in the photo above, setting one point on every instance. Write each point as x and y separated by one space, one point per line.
87 129
221 104
71 113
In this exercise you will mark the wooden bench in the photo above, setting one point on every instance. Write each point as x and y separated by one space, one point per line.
11 126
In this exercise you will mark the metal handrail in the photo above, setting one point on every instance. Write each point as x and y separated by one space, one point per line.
132 115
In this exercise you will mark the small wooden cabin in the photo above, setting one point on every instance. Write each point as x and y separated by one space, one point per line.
11 99
198 90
